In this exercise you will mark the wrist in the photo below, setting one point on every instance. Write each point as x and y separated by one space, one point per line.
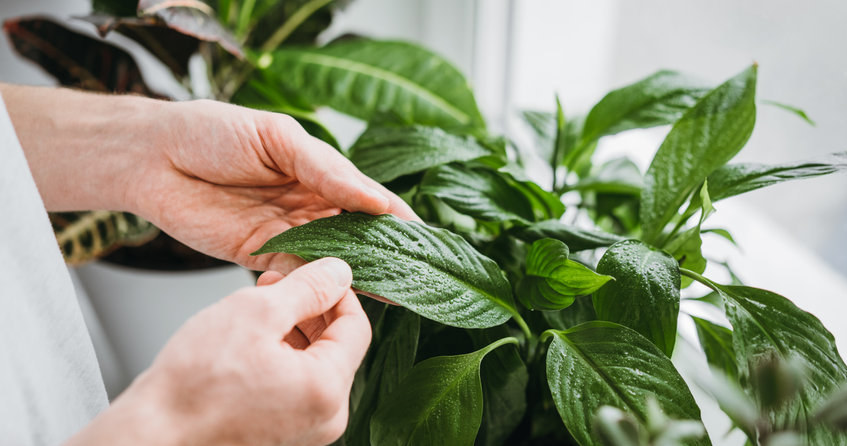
85 151
141 415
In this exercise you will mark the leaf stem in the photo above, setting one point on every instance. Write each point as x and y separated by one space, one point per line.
294 21
701 279
522 324
275 40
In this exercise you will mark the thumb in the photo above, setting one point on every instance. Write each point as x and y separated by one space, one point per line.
309 291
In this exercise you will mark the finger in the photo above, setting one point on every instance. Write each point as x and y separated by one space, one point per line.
396 205
269 278
307 292
322 169
297 339
313 328
347 336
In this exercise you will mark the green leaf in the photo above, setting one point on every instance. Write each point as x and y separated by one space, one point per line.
543 126
430 271
645 293
599 364
504 386
766 324
790 109
439 402
393 348
618 176
716 342
736 179
479 192
577 239
660 99
705 138
366 77
545 205
87 236
387 152
833 411
552 280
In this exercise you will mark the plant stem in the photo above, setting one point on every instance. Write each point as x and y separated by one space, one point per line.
699 278
522 323
276 39
293 22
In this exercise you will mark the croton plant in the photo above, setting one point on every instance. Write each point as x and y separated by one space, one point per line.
517 323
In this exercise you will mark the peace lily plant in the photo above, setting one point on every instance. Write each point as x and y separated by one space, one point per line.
514 325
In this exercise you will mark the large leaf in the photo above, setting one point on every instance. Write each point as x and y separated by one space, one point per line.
553 281
766 324
433 272
504 385
74 59
171 47
387 152
86 236
191 17
393 354
479 192
659 99
599 364
645 293
364 78
716 341
577 239
686 247
440 402
705 138
736 179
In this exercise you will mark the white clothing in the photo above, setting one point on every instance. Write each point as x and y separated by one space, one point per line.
50 383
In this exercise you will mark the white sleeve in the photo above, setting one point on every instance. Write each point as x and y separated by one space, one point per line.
50 384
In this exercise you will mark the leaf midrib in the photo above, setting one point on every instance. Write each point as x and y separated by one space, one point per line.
380 73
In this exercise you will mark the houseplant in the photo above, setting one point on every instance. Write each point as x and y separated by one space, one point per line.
537 329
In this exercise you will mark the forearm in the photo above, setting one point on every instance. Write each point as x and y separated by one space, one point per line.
84 150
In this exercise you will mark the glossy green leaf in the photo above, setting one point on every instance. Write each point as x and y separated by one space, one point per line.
659 99
601 363
716 341
705 138
366 77
577 238
387 152
479 192
766 324
433 272
645 293
395 342
552 281
618 176
736 179
546 205
440 402
504 385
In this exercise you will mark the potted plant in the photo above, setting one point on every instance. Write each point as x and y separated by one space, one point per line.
518 322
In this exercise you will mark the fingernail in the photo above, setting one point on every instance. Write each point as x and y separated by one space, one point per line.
339 270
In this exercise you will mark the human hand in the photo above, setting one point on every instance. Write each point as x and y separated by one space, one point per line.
227 377
220 178
225 179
